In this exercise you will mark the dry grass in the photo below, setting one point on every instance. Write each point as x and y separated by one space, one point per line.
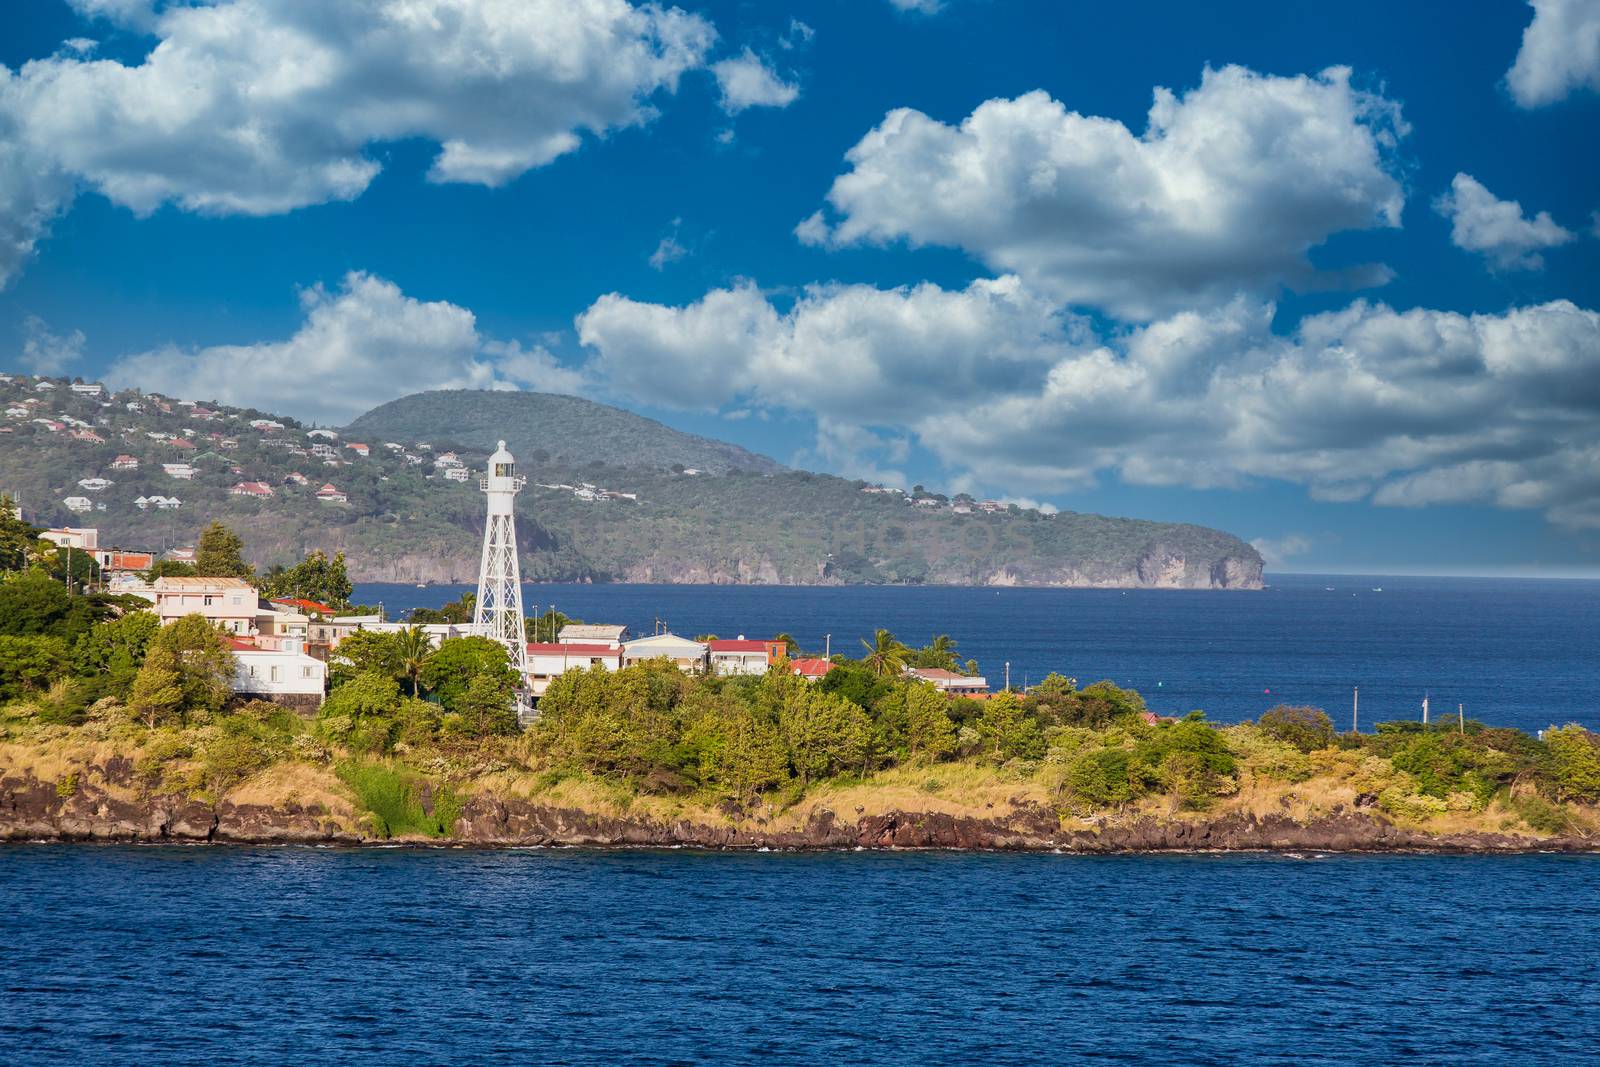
300 783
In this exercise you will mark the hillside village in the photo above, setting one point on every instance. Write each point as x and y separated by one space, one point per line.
149 469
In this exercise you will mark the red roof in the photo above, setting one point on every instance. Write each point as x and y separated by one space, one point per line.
811 668
241 645
740 646
557 649
303 604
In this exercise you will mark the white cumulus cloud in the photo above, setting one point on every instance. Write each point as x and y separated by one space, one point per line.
360 345
258 107
747 81
1228 188
1560 52
1004 385
1497 229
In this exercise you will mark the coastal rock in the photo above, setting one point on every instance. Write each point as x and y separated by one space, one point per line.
34 810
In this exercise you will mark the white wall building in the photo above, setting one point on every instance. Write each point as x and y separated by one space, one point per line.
688 655
282 673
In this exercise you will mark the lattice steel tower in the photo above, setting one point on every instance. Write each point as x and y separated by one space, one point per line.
498 612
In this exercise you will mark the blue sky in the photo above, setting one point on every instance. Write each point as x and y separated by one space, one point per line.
1342 301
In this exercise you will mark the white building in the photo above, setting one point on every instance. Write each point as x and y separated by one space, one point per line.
455 474
181 471
78 504
87 388
85 539
550 661
279 671
687 655
95 485
742 656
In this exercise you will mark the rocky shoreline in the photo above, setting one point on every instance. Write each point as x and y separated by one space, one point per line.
37 811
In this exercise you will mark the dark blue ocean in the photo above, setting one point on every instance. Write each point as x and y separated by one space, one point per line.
1522 653
172 955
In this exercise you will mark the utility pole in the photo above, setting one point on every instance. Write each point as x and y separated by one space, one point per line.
1008 676
1461 719
1355 711
827 646
1424 709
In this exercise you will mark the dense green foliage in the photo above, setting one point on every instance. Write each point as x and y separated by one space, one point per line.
219 553
318 578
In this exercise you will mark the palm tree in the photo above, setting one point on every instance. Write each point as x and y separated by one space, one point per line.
885 655
791 647
414 648
942 653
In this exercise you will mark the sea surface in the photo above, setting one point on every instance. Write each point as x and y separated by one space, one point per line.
201 955
1510 652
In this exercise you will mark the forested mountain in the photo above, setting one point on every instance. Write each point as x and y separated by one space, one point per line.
597 508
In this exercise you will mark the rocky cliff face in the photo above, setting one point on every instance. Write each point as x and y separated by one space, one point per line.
99 811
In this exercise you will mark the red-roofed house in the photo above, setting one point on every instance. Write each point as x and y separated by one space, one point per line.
741 656
547 661
261 489
812 669
181 444
300 604
329 495
125 463
358 449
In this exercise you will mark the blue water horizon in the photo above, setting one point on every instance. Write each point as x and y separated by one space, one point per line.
1521 652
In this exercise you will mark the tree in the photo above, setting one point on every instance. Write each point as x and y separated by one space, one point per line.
487 708
30 663
33 603
367 695
930 735
158 695
1007 730
169 568
1306 728
739 752
825 734
791 647
204 662
20 544
885 655
220 554
939 653
367 651
458 660
1576 757
314 578
412 648
110 653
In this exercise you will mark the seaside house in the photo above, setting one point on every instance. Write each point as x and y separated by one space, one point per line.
811 668
687 655
548 661
228 603
741 656
280 671
949 682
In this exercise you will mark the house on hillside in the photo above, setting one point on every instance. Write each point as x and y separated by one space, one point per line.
811 668
455 474
687 655
227 603
87 388
296 478
78 504
329 495
279 671
95 485
741 656
125 463
84 539
549 661
88 436
255 489
359 449
326 435
949 682
181 471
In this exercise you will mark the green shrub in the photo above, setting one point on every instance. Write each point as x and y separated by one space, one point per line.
1575 753
1404 804
1540 814
393 796
1306 728
1100 778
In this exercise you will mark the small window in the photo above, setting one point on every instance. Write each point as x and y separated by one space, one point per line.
277 674
210 600
305 672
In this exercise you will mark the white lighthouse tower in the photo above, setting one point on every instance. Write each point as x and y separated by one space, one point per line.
498 612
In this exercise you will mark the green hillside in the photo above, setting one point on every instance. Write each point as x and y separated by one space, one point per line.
563 428
588 514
